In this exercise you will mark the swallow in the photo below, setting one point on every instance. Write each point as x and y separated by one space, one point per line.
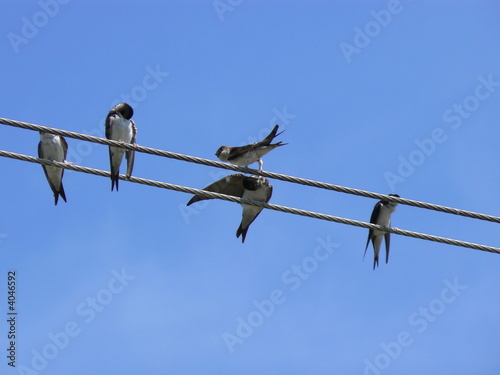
53 147
249 154
256 188
381 215
120 127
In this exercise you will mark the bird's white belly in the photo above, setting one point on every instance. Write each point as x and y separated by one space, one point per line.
383 219
121 130
259 195
246 159
53 149
256 195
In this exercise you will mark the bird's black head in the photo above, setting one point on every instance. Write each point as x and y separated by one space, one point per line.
390 195
125 110
251 182
255 182
219 151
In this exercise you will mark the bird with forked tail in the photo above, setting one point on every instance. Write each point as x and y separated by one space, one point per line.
53 147
249 154
381 215
120 127
255 188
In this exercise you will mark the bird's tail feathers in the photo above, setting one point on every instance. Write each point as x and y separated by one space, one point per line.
281 132
366 247
114 180
130 156
274 133
115 159
387 246
278 144
242 232
61 193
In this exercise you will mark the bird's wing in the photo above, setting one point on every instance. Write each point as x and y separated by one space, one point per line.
41 156
130 154
367 243
236 152
387 245
64 146
229 185
44 167
375 213
107 125
40 150
269 193
373 219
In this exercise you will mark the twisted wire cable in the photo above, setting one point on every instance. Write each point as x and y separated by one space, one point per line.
275 207
273 175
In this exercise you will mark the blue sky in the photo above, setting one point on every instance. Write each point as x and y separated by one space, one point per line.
392 97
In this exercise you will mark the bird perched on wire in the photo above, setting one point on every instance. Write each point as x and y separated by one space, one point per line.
120 127
256 188
381 215
53 147
249 154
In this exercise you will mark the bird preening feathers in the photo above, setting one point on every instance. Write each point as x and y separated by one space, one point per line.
256 188
120 127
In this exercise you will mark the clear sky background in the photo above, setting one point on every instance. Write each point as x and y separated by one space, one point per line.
393 97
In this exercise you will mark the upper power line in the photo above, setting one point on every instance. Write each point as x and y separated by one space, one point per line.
273 175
